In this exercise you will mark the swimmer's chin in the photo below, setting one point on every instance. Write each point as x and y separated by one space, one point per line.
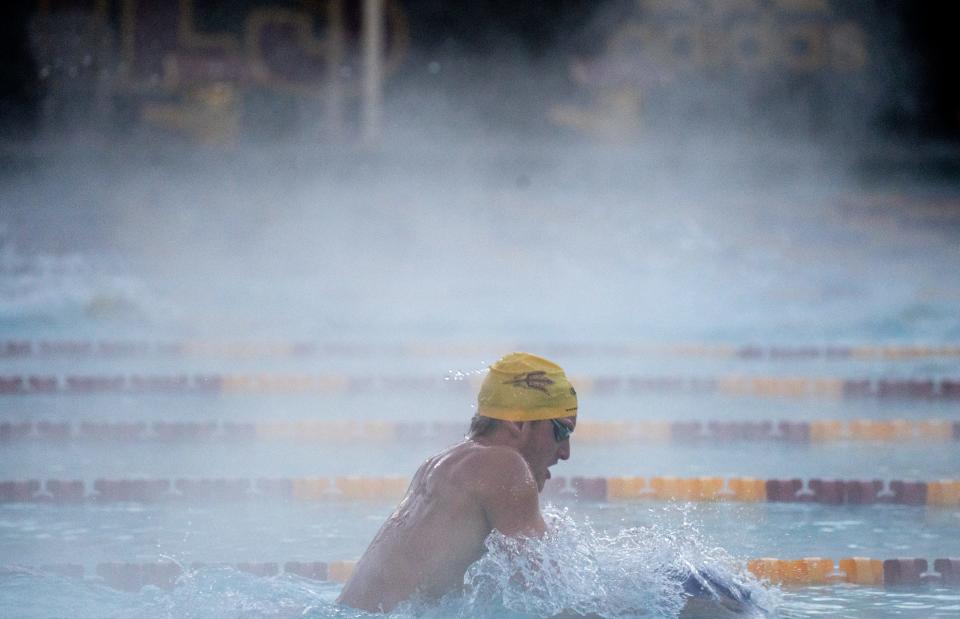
542 480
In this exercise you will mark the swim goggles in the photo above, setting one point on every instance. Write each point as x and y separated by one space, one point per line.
561 431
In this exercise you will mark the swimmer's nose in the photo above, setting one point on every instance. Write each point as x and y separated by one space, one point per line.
563 451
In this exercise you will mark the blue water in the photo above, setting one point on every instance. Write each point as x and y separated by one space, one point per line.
636 546
223 592
810 267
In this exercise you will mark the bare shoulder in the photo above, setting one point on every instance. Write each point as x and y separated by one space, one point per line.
505 489
494 467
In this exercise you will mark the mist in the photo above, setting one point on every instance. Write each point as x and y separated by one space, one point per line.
506 191
566 177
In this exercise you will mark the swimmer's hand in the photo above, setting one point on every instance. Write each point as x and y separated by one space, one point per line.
713 596
709 596
712 608
695 608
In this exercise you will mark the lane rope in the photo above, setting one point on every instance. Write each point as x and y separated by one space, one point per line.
936 493
114 349
732 385
807 571
606 432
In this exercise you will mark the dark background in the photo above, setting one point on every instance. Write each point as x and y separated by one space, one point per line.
924 101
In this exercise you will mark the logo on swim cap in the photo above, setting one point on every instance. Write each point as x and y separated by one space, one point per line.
532 380
525 387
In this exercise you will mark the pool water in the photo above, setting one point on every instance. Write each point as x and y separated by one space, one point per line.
278 531
873 277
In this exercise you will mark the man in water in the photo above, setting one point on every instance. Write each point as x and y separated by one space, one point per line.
526 411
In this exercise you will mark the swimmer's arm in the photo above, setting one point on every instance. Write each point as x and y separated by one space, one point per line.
511 503
509 496
695 608
708 608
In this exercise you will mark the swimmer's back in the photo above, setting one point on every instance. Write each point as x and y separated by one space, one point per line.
437 530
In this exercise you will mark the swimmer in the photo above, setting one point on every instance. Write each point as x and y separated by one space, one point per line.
526 411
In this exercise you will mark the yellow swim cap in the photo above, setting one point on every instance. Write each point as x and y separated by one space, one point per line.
525 387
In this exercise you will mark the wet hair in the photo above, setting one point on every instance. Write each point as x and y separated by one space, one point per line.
480 425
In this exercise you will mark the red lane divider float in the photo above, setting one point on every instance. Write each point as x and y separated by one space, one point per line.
771 386
599 489
797 572
821 431
254 349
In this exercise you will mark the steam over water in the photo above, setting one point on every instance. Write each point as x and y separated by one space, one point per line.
446 252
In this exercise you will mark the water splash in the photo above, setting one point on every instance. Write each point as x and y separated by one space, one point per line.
460 375
577 568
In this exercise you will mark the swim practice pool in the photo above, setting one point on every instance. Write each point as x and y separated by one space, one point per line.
156 463
309 463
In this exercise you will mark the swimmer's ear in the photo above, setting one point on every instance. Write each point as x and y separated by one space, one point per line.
515 428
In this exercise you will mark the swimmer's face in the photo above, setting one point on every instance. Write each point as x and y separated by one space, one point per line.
543 450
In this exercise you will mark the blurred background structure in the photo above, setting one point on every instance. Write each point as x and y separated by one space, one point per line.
262 70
